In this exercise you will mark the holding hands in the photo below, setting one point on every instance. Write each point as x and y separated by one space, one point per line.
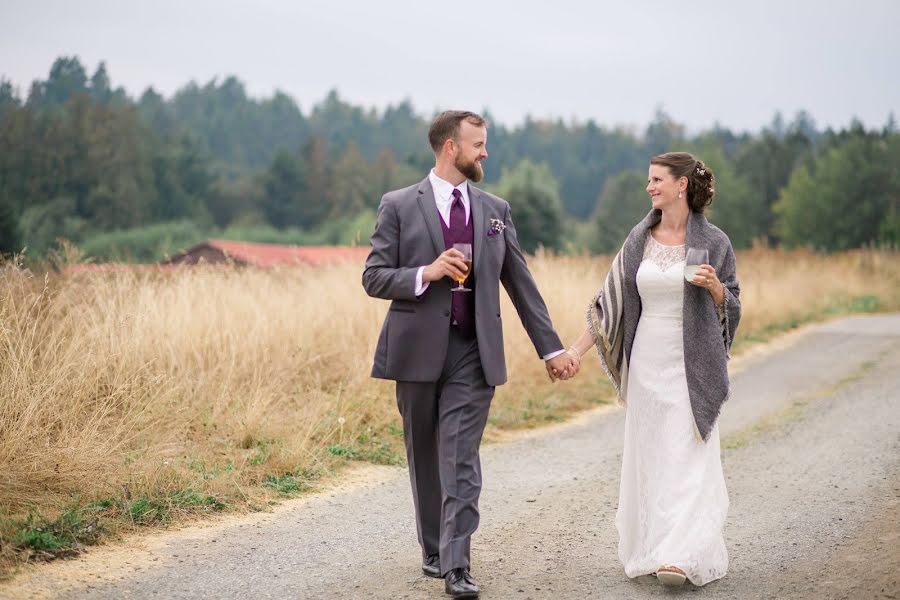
565 366
571 358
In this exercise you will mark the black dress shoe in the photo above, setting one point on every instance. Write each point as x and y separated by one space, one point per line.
431 566
459 584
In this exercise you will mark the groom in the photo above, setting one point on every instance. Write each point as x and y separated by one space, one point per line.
445 349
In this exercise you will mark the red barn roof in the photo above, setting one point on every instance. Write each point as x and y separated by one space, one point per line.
268 255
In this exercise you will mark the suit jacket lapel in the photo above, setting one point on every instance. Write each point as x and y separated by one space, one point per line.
477 208
432 217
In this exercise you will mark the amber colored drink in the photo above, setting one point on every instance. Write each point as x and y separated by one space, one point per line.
466 274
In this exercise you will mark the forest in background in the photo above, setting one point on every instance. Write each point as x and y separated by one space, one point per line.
137 178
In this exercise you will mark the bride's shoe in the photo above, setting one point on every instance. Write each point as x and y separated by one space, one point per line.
670 576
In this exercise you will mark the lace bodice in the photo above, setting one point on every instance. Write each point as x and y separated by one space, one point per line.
663 256
660 280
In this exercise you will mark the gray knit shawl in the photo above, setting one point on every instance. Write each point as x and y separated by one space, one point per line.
614 314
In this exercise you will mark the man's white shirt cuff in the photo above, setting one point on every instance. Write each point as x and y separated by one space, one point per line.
421 286
554 354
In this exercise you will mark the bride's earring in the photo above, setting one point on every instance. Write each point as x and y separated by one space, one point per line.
679 195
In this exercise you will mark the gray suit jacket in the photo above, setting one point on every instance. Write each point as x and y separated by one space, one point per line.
413 341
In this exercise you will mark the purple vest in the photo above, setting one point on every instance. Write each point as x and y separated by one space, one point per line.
463 303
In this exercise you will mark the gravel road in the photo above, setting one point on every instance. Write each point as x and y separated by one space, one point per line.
811 440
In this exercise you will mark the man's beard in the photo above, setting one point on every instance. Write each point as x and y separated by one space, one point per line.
472 170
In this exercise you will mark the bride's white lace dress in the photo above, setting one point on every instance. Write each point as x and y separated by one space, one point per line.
672 499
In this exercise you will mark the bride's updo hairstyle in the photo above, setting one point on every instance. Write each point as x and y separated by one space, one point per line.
701 182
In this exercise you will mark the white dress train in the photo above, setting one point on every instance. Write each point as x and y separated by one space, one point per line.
672 497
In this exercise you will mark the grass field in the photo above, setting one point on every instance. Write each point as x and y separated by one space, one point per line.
137 398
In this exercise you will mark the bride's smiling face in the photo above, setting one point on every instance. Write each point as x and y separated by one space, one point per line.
663 187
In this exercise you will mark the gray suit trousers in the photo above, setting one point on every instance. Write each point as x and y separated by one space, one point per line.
443 422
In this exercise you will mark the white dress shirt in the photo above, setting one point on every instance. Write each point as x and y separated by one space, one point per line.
443 197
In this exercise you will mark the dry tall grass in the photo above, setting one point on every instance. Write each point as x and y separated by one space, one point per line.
131 384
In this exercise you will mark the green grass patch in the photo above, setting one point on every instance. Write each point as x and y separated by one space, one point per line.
263 451
287 485
291 484
46 539
373 448
143 244
37 537
344 451
146 511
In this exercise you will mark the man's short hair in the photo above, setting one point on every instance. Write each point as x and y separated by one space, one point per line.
446 125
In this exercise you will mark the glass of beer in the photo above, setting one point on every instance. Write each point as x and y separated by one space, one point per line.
466 250
695 257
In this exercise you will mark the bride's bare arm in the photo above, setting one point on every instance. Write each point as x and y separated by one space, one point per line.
581 345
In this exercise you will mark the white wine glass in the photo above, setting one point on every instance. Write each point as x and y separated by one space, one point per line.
693 259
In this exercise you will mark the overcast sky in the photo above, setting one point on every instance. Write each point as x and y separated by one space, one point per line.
702 61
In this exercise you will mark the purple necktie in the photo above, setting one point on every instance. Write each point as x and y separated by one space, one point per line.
457 216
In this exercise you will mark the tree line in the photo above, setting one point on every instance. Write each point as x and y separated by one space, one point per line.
81 160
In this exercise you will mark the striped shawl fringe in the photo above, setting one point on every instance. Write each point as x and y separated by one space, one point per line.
604 318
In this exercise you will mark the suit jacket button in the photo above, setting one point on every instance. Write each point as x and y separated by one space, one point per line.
446 313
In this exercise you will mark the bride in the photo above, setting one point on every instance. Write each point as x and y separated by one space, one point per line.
664 344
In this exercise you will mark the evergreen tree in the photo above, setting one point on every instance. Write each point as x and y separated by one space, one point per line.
9 99
662 135
846 198
9 228
533 196
285 191
351 183
319 182
766 164
211 154
67 77
622 204
736 208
